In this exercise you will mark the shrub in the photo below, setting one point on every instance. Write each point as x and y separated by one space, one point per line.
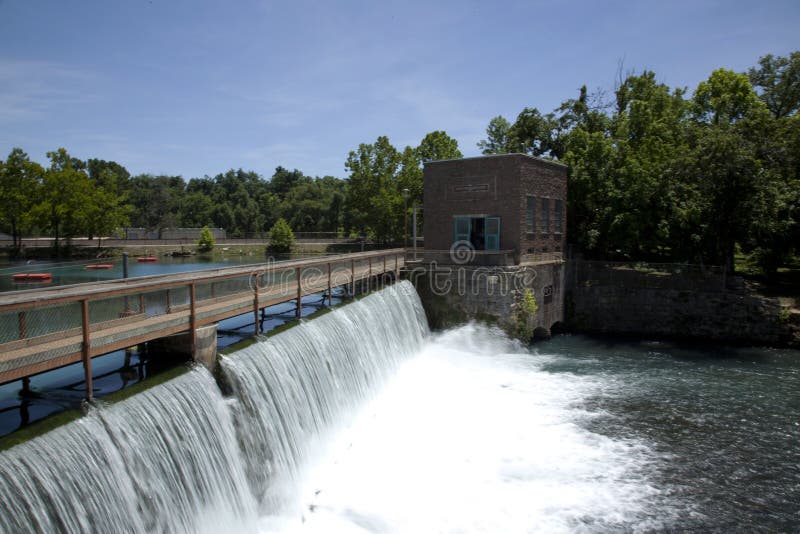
206 241
281 237
524 312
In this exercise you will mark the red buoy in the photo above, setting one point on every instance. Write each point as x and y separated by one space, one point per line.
147 258
32 277
100 266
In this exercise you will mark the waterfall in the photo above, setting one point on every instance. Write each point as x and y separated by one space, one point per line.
182 458
291 389
163 461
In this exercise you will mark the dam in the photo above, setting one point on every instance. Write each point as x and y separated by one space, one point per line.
363 420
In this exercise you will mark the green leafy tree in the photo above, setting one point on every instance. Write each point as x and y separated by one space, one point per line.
20 181
100 171
106 209
437 146
66 193
725 97
196 210
283 180
374 197
531 133
281 237
724 160
497 137
156 200
379 175
206 241
778 79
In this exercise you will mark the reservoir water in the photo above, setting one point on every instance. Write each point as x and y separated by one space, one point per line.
75 272
363 421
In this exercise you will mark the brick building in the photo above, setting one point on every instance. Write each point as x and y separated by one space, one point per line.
505 207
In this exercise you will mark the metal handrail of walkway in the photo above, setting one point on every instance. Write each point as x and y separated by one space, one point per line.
44 329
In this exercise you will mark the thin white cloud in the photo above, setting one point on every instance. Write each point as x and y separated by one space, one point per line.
32 89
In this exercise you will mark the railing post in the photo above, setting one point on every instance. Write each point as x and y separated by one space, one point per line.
141 303
330 289
86 348
193 318
298 274
352 278
255 302
23 325
169 301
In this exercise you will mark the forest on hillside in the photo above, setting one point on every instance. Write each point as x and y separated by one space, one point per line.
656 173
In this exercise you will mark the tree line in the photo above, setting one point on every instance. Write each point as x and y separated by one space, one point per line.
658 174
655 173
71 197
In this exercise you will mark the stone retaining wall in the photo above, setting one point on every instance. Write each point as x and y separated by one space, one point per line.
454 294
622 307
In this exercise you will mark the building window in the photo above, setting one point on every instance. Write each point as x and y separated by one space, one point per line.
545 226
530 215
557 224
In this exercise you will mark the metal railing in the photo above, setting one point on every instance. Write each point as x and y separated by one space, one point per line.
485 258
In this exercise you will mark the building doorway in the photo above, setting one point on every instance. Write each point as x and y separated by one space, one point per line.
483 233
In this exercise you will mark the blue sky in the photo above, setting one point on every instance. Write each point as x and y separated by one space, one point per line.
197 87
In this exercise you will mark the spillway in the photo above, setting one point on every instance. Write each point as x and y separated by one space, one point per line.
182 458
361 420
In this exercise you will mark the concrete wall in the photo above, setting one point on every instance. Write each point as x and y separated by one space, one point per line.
205 351
190 233
452 295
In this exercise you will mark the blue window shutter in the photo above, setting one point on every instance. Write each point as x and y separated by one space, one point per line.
492 233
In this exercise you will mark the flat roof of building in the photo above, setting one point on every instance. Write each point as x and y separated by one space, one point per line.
513 154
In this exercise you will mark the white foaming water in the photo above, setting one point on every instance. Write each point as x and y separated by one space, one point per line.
471 436
357 421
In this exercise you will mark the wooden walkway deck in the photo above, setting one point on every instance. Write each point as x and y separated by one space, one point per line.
44 329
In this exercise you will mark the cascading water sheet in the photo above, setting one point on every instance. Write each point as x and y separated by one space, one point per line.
165 460
295 388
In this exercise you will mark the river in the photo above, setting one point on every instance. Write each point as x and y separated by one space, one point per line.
363 421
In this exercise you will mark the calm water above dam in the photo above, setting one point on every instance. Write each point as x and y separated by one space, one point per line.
75 272
363 421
